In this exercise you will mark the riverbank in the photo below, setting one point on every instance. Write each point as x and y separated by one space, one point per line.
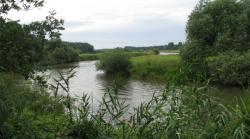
97 56
170 51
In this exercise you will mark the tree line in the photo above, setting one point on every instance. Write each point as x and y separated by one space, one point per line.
169 46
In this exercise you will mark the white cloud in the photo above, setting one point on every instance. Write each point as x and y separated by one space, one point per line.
98 16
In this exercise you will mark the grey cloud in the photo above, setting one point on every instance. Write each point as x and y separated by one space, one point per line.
75 24
153 31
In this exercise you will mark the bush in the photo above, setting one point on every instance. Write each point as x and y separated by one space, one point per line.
155 52
114 63
64 54
230 68
194 56
28 112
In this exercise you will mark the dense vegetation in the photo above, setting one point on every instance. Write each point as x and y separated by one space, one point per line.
56 52
86 57
81 47
231 68
27 112
21 46
114 63
217 47
178 112
216 28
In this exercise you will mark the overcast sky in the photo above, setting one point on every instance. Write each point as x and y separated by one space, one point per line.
117 23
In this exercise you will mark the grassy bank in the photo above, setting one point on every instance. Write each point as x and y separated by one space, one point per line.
154 66
87 57
97 56
170 51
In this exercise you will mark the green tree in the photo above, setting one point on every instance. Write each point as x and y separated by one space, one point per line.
81 47
7 5
214 27
21 46
114 63
64 54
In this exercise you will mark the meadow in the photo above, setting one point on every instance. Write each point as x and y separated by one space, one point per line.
98 55
87 57
155 66
170 51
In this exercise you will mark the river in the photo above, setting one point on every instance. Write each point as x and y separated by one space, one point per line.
94 83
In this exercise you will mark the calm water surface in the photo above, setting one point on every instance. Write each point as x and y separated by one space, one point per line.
94 83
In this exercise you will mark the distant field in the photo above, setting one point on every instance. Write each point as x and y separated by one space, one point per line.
170 51
86 57
155 66
97 56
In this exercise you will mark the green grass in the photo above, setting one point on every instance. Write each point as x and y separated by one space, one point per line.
28 111
87 57
170 51
155 66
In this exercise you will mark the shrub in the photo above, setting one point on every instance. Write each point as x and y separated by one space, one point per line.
230 68
155 51
64 54
28 112
114 63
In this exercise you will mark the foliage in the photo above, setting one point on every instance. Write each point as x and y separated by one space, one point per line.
21 46
195 57
29 112
216 26
48 29
230 68
64 54
178 112
155 66
81 47
7 5
18 48
155 51
114 63
86 57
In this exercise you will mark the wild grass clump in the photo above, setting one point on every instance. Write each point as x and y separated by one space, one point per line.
155 66
114 63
